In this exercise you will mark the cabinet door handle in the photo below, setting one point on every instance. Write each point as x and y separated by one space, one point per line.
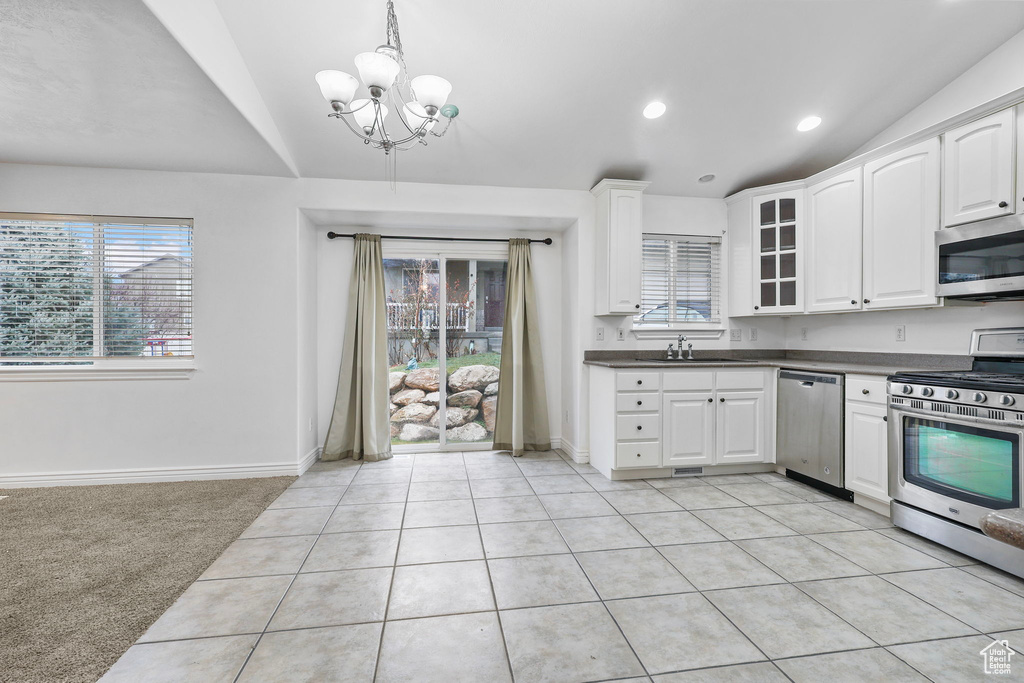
853 301
638 305
867 301
639 382
756 307
639 427
1003 205
639 403
721 400
710 400
638 455
865 392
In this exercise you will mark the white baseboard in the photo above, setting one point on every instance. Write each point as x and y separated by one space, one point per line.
308 459
134 476
579 457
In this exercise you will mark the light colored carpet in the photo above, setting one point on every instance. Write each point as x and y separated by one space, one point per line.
84 570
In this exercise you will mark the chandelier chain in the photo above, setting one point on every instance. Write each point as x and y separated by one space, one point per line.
394 39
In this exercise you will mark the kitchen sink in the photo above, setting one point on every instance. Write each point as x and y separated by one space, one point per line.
684 361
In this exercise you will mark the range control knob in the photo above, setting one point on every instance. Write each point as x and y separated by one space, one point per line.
952 394
907 389
979 397
927 391
1006 400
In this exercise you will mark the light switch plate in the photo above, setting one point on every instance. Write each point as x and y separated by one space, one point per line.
753 334
620 334
803 334
901 333
600 334
735 335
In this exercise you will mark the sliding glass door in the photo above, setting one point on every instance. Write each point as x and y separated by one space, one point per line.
444 346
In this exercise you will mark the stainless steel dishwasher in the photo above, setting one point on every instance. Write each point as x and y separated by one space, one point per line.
810 427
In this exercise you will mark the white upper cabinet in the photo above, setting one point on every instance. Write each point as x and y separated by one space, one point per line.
833 244
777 253
901 216
618 246
1020 159
978 169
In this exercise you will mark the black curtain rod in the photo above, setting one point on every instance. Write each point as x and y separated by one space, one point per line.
334 235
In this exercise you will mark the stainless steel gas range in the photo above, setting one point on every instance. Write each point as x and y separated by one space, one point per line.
955 441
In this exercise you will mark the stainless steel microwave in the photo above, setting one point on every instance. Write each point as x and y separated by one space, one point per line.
982 261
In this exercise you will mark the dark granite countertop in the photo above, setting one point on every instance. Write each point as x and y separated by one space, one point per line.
824 361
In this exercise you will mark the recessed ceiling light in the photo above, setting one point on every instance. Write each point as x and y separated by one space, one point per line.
706 178
654 109
810 123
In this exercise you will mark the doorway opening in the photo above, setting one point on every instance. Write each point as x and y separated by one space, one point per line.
445 314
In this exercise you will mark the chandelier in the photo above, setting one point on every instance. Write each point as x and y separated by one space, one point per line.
420 102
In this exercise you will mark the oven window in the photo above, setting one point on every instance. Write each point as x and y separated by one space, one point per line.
972 464
982 258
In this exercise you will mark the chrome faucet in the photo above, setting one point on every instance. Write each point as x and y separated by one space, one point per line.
670 353
689 348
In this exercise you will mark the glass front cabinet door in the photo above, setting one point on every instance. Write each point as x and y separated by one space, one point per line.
778 248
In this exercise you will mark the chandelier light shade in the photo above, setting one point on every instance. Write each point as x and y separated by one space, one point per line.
421 102
337 86
431 92
365 114
416 116
376 71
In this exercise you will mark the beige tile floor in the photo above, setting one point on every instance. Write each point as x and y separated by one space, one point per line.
480 567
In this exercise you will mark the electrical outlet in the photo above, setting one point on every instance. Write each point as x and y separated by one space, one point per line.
901 333
736 335
310 427
803 334
566 416
753 334
600 334
620 334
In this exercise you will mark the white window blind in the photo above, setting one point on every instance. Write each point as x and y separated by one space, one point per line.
681 281
80 287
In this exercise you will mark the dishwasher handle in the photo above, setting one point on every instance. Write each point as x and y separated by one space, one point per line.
807 379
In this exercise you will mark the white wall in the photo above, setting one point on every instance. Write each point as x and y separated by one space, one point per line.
945 330
306 415
236 412
1000 72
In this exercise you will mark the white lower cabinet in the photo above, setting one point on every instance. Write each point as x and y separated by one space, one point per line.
689 431
867 444
680 417
740 432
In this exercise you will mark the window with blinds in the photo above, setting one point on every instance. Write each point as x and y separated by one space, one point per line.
80 287
680 282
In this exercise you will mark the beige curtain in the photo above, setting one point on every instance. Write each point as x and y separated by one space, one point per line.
360 426
521 422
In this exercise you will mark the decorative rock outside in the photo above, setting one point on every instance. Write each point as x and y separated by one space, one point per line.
471 404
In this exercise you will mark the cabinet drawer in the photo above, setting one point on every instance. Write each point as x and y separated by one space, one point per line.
866 389
638 381
636 403
741 379
643 454
633 427
689 380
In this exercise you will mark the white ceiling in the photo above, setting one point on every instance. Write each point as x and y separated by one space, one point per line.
550 91
102 83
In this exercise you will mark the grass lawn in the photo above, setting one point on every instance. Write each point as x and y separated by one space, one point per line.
456 363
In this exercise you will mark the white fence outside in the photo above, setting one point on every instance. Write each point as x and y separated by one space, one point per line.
404 316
